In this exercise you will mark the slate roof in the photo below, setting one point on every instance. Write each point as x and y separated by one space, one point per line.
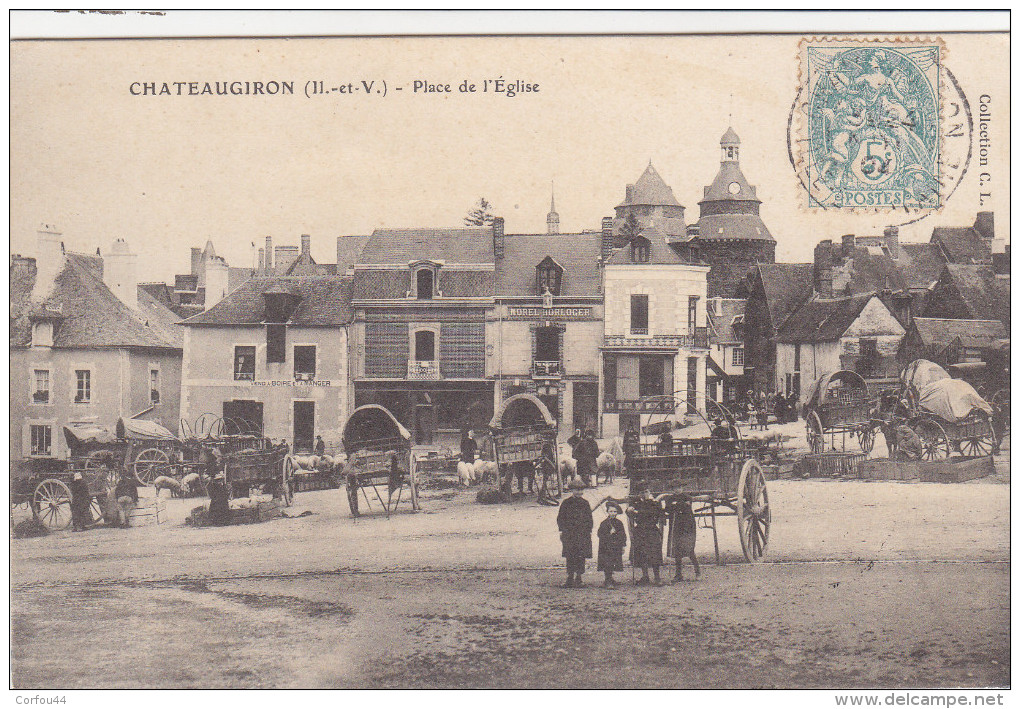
577 254
348 251
972 333
986 297
373 284
469 245
733 226
651 189
822 320
962 245
719 190
159 292
92 316
787 285
237 275
659 253
721 321
729 137
919 264
325 300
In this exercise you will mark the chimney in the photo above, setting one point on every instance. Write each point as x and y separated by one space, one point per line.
892 241
306 245
822 270
984 224
497 237
607 238
269 255
215 281
196 260
630 194
262 261
120 273
849 242
49 260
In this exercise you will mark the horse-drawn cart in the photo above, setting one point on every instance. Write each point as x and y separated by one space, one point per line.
264 469
520 430
44 486
838 405
137 447
378 451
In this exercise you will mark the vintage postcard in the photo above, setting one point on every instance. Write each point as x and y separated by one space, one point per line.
674 360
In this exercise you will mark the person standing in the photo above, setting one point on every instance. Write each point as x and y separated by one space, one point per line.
320 446
665 444
612 539
646 538
81 503
631 448
683 534
586 454
575 523
127 497
219 502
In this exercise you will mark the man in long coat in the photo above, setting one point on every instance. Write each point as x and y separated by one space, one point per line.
81 503
631 448
646 538
575 522
586 454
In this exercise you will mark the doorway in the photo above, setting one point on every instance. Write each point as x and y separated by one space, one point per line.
304 426
240 413
586 406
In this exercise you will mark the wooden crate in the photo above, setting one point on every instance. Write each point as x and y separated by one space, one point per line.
149 511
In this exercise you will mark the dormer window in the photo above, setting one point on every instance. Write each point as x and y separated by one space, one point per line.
42 333
639 250
550 276
425 282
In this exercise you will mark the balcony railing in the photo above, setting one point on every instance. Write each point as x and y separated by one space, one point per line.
549 368
639 331
422 370
697 340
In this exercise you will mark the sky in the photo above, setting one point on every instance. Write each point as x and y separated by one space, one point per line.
169 172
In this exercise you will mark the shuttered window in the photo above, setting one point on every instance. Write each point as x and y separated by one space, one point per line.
386 350
462 350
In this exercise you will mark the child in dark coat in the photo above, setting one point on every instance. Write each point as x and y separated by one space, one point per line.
575 522
683 533
612 539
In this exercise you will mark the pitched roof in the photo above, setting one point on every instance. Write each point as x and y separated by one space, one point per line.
470 245
576 254
986 296
650 189
823 320
91 315
659 252
721 321
919 264
325 300
972 333
730 185
962 245
348 250
786 285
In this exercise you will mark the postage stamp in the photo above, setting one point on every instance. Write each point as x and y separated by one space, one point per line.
872 124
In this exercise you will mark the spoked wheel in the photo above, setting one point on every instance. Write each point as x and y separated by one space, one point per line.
977 446
934 441
754 516
866 435
148 464
51 503
352 498
815 432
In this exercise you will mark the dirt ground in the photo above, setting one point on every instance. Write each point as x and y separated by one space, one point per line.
865 585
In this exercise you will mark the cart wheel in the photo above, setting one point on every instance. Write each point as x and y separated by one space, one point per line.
51 503
934 441
352 499
867 437
754 516
979 446
815 432
148 463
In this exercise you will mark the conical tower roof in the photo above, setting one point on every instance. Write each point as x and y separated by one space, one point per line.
729 137
650 189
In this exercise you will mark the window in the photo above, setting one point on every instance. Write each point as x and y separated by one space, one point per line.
549 277
738 357
692 313
639 314
42 439
41 395
425 345
83 386
153 386
304 363
276 343
868 362
547 344
651 379
244 364
425 283
609 378
796 357
639 250
692 384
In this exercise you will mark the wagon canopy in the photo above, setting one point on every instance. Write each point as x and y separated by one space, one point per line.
369 423
920 373
142 430
522 410
819 392
951 400
81 434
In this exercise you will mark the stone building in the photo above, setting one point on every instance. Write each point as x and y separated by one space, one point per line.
649 202
86 346
726 325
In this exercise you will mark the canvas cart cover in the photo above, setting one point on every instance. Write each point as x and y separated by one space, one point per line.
951 400
920 373
818 394
141 430
522 410
80 434
371 422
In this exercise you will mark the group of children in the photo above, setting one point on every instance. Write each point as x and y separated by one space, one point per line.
648 516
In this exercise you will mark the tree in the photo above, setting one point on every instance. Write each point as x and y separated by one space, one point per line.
480 215
630 227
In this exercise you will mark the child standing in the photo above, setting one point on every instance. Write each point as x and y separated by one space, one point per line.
612 539
683 533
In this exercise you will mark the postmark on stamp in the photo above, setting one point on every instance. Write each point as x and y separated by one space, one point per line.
870 134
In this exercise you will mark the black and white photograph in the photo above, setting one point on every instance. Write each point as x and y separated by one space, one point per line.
425 355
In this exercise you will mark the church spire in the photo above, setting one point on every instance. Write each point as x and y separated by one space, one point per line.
552 219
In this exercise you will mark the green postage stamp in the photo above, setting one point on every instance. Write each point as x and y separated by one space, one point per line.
870 124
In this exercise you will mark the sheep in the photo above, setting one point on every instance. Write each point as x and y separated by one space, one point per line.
605 464
466 473
485 469
164 482
616 450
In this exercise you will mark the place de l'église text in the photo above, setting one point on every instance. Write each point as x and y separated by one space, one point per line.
322 87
